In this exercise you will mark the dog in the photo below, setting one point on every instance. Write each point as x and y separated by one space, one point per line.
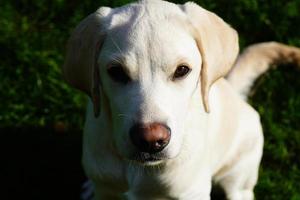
167 115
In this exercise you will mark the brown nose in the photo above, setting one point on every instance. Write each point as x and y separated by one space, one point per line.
150 138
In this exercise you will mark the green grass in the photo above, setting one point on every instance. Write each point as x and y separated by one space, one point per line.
277 99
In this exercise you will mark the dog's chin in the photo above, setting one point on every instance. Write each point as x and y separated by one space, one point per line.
147 159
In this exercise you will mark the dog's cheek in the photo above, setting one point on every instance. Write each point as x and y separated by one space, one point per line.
175 146
178 121
119 131
122 120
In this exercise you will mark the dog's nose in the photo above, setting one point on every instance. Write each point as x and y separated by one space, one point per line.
150 138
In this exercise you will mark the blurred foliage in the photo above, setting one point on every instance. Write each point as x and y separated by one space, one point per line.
33 35
278 101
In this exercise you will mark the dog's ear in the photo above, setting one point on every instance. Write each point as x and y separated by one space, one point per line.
217 43
80 68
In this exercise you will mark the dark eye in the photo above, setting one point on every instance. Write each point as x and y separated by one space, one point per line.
181 71
117 73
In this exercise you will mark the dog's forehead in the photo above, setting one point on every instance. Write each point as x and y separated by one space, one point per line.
150 31
150 9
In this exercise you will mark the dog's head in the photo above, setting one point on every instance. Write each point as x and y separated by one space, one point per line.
143 64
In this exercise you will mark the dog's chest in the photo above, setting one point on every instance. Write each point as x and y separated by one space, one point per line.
137 182
148 183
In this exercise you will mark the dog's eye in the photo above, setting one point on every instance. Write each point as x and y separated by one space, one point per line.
181 71
117 73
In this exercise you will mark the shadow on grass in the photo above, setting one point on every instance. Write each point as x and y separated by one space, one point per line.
40 163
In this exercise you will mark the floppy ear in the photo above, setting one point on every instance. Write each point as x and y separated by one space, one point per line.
217 43
80 68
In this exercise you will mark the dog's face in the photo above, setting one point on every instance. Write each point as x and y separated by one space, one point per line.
148 80
146 59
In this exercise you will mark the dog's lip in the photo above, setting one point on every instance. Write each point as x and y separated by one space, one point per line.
148 159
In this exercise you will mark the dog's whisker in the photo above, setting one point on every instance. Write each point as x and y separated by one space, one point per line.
117 46
116 60
125 116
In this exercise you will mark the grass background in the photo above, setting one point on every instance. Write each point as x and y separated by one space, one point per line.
40 113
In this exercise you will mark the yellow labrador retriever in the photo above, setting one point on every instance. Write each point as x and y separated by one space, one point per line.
162 122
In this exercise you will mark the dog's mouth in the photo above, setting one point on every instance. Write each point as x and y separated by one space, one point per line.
145 159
